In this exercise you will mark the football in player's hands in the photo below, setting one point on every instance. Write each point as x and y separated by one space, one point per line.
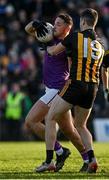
40 27
43 31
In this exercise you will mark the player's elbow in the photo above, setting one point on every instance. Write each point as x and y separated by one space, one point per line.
104 73
27 29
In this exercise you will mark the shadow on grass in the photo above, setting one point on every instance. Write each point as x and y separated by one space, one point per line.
51 175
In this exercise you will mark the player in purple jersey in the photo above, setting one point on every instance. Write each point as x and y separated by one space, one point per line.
56 73
55 69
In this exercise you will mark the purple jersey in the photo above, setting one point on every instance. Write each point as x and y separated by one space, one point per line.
55 69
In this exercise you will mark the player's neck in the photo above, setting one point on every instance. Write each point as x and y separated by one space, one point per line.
86 28
62 36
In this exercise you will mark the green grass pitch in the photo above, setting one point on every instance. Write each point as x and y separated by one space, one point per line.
18 160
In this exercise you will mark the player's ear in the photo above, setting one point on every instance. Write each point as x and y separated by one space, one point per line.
84 21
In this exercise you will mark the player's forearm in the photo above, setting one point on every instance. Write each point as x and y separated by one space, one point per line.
105 78
51 50
69 63
29 29
56 49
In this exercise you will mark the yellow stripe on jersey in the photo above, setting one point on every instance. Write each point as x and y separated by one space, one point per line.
80 56
88 62
94 71
65 88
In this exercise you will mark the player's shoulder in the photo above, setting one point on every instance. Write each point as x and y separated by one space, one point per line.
75 33
72 35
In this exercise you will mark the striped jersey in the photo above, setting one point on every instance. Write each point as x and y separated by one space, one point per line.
86 53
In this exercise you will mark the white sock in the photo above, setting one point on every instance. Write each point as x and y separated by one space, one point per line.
59 151
86 161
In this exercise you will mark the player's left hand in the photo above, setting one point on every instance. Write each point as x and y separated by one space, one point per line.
106 94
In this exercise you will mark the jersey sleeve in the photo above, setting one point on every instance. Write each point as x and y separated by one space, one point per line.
68 42
105 63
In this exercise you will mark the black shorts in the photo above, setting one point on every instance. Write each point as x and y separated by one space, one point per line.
79 93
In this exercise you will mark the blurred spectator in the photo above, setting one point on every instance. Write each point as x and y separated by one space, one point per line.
14 67
100 34
14 31
104 19
3 43
71 9
14 113
22 16
3 95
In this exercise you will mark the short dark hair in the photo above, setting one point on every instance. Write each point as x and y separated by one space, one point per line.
90 15
67 18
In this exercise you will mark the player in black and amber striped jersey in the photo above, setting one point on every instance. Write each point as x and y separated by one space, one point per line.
86 53
105 74
80 91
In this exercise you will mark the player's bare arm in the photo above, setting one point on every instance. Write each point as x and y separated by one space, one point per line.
53 50
105 78
30 29
69 63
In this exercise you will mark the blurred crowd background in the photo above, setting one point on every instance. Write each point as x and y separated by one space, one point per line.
21 60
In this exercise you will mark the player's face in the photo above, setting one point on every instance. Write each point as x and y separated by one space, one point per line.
60 27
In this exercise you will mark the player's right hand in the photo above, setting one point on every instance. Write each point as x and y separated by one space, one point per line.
43 46
106 94
40 27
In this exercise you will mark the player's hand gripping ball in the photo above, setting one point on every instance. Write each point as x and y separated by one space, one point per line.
45 33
